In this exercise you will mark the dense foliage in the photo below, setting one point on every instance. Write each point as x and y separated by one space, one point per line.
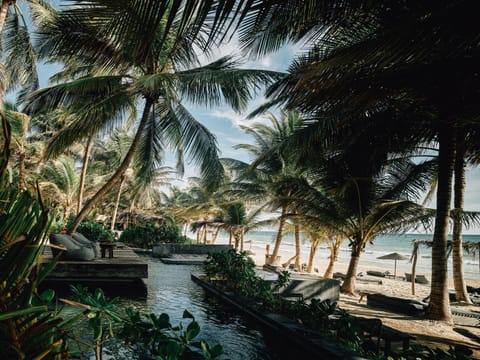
149 335
148 233
95 231
236 272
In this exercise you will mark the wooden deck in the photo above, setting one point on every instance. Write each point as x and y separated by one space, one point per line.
121 274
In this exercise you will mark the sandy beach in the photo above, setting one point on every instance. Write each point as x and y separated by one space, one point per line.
465 331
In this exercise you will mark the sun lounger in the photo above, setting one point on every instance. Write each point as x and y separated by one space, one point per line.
377 273
394 304
419 278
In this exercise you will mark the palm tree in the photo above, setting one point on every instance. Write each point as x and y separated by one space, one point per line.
20 125
59 183
19 69
263 179
367 56
360 207
144 59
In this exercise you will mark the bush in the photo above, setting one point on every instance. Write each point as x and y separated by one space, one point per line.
95 231
148 234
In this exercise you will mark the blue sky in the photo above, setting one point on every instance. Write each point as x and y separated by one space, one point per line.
224 122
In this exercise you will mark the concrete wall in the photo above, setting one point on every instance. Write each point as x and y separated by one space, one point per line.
165 250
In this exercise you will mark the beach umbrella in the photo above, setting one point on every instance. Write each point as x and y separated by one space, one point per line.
393 256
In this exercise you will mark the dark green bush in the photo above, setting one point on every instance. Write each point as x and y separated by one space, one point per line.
147 234
95 231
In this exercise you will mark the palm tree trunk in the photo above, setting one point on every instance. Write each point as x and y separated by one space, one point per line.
278 240
215 235
439 306
297 248
311 255
117 203
21 168
3 12
120 171
348 285
241 239
334 248
83 174
461 293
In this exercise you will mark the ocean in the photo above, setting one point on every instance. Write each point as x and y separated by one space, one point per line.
382 245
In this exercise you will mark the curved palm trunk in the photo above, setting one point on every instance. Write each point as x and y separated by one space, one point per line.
241 239
297 248
3 12
215 235
334 247
278 240
81 186
120 171
461 293
313 250
117 203
348 285
439 306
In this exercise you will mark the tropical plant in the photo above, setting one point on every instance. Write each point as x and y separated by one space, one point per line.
18 59
157 75
95 231
102 314
149 233
362 61
28 328
359 207
59 182
264 179
20 125
164 341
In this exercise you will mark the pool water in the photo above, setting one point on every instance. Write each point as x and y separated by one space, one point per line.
171 291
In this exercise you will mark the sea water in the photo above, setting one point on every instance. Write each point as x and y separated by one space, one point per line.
381 245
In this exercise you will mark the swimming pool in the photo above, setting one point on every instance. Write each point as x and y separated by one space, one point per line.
171 291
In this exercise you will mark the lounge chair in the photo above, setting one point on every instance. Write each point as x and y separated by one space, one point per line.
419 278
398 305
377 273
76 247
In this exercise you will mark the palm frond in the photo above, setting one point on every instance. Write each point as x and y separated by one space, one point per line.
222 81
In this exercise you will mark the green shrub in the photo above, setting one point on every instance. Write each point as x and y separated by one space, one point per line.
95 231
147 234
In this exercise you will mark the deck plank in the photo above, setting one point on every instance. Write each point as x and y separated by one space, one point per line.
123 266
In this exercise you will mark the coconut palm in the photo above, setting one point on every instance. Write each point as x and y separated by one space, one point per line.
359 207
59 183
367 56
146 59
262 180
20 125
18 68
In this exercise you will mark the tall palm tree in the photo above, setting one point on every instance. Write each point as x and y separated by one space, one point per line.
59 183
360 207
371 55
20 125
263 178
19 67
145 59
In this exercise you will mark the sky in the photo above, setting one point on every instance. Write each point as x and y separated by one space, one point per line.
224 123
